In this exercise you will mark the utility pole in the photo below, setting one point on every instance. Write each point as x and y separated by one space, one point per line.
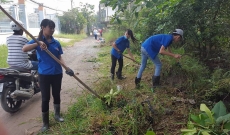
71 4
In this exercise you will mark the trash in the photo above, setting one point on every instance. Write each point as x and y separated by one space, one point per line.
178 99
119 87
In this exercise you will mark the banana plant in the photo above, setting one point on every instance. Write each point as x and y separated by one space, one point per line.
109 96
209 122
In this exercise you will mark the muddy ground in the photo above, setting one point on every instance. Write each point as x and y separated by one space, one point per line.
27 121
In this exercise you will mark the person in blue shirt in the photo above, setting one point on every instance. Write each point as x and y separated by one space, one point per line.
118 47
151 47
50 71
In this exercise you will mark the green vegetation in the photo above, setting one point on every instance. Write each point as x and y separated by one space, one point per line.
3 56
73 38
215 121
77 37
74 20
170 109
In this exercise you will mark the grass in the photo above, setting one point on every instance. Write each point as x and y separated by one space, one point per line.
128 112
3 56
73 38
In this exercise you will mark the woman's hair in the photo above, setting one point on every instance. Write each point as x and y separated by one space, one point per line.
130 33
44 23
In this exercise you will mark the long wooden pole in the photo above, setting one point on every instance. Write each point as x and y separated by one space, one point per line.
131 59
55 58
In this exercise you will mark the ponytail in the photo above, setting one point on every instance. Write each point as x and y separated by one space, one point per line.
130 33
40 35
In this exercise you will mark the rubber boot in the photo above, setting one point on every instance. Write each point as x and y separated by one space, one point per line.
137 82
156 81
45 119
119 75
112 76
57 116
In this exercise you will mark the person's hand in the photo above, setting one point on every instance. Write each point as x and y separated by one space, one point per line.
119 52
69 72
177 56
43 46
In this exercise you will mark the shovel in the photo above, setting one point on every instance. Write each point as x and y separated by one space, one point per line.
51 55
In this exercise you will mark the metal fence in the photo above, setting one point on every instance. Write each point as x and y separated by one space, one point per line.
33 20
5 27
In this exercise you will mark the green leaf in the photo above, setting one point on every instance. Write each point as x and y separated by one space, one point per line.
150 133
138 1
190 125
136 14
223 119
204 108
227 125
205 133
189 131
195 118
219 109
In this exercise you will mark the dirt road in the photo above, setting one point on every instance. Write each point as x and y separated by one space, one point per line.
27 121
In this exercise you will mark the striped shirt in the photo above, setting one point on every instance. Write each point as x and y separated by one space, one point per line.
16 57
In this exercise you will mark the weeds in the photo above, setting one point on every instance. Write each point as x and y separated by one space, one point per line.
3 56
140 111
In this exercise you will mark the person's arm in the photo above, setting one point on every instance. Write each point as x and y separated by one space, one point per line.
29 47
164 52
68 71
115 47
61 59
130 54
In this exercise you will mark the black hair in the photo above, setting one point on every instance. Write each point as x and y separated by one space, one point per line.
44 23
130 33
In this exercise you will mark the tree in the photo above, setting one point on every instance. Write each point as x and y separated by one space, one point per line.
72 21
87 11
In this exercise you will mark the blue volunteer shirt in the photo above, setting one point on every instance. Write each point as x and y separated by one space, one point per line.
122 43
47 65
153 44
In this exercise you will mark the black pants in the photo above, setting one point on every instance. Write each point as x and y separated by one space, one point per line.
114 62
45 81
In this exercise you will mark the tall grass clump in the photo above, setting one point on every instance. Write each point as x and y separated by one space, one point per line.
110 36
3 56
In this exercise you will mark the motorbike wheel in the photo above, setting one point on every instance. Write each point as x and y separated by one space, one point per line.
8 104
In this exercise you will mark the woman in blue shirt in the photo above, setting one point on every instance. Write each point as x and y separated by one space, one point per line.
119 47
50 71
151 47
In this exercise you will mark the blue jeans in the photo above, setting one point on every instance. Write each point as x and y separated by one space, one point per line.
144 58
35 65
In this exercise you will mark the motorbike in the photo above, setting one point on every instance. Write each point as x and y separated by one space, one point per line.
18 85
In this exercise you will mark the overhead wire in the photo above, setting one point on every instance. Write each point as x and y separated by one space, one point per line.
46 6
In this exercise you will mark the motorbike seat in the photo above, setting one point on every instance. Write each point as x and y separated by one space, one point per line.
20 69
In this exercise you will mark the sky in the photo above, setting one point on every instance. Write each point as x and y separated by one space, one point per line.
61 4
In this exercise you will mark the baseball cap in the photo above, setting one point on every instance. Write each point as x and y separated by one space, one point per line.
179 32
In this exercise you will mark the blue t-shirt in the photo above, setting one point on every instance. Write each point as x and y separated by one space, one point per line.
153 44
47 65
122 43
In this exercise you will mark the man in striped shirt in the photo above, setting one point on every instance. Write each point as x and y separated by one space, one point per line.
16 57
